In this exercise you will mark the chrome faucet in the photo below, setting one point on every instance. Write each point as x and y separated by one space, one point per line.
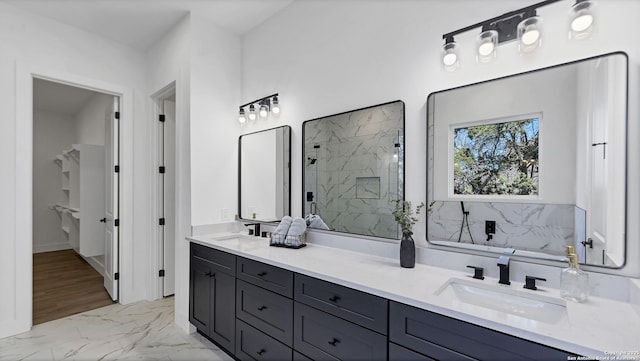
503 263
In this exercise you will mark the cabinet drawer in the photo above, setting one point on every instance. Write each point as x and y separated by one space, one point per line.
429 333
221 261
321 336
362 308
266 276
399 353
251 344
267 311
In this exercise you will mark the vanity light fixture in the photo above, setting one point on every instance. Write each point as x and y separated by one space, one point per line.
582 18
264 106
523 25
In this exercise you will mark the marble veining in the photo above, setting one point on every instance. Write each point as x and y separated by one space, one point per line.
530 227
139 331
355 169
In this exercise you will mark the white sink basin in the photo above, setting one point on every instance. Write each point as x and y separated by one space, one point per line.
505 299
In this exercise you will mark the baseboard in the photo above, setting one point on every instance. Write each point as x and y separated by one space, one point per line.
95 263
50 247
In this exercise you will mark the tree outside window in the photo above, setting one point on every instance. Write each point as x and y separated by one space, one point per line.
497 159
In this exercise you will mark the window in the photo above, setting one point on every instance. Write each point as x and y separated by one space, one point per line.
499 158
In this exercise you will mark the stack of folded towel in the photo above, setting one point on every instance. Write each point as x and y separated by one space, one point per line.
290 233
314 221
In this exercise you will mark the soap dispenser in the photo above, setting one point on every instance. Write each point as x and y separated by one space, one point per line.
574 282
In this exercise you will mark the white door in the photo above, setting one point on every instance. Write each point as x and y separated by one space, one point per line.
111 245
169 204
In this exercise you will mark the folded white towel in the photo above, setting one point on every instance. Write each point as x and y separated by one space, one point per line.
298 227
284 225
314 221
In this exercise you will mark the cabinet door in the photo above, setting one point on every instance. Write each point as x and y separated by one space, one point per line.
322 336
200 294
359 307
223 310
255 345
435 335
266 311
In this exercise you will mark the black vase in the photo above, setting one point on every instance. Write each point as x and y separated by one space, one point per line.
407 251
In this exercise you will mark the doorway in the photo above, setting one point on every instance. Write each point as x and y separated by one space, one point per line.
165 115
74 199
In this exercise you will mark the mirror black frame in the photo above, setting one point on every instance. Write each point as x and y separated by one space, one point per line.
560 260
403 169
288 167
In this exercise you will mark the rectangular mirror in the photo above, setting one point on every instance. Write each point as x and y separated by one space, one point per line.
264 174
534 162
353 170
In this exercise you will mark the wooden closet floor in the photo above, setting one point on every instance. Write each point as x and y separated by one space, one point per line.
65 284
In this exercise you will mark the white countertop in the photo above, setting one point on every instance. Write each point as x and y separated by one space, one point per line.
599 328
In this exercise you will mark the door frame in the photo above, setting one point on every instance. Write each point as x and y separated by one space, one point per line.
25 73
156 249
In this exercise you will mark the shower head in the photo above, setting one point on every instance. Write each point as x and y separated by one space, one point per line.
312 160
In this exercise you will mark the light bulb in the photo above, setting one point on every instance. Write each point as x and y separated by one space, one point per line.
450 58
241 118
252 112
529 34
582 23
486 45
530 37
582 19
263 111
275 106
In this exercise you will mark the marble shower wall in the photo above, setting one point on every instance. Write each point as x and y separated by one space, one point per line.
357 173
533 227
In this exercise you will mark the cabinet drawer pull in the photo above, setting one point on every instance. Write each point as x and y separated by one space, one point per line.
262 308
261 352
334 342
335 299
262 274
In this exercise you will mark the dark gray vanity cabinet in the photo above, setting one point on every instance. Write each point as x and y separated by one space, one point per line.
212 292
439 337
257 311
264 311
332 322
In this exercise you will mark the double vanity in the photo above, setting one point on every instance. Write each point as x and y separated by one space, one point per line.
533 163
261 302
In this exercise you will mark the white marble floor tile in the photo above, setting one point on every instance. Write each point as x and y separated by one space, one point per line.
140 331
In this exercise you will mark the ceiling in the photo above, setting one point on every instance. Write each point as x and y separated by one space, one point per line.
140 23
59 98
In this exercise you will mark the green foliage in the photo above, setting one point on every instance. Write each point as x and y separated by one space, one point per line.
499 158
403 213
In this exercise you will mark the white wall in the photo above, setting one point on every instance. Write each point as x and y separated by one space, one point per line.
90 120
33 44
52 133
169 61
327 57
215 97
